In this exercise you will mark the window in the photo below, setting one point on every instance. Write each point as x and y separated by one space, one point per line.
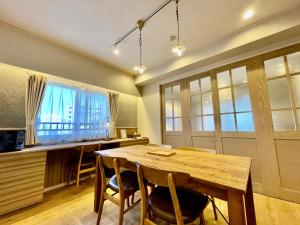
173 115
235 104
202 112
283 80
71 114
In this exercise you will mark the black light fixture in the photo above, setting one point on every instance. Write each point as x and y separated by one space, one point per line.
140 68
179 49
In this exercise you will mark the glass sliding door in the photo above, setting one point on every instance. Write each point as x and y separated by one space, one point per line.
235 104
283 81
173 114
201 105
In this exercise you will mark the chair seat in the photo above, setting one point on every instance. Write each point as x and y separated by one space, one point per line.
129 181
191 204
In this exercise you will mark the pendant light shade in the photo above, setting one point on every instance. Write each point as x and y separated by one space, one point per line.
116 50
179 49
140 68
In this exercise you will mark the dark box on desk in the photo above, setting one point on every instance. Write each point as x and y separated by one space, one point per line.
11 139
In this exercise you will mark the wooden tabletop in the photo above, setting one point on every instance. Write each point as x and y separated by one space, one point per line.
223 171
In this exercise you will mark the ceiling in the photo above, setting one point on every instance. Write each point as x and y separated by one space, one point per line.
90 27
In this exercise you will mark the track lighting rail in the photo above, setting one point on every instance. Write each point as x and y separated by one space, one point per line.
145 20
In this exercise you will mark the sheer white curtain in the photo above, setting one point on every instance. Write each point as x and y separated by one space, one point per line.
71 113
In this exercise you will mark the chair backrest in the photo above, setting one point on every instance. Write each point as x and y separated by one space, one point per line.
88 148
86 151
108 161
112 162
91 148
162 178
208 150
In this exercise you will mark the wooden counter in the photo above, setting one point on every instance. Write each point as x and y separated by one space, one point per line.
121 142
25 174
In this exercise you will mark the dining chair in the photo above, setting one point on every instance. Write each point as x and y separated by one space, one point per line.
208 150
84 163
169 201
124 183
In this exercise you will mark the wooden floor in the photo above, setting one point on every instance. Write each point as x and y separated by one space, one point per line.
65 207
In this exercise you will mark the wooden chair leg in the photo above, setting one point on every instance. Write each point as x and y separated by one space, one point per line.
132 199
127 201
214 208
89 176
202 220
101 203
70 173
121 211
77 181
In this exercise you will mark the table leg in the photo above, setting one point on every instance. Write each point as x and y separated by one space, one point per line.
249 203
236 210
98 187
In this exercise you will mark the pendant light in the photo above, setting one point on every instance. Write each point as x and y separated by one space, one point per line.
140 68
116 50
179 49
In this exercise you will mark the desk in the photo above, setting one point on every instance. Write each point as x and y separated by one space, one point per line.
221 176
25 174
41 148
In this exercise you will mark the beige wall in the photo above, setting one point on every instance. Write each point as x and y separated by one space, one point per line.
127 116
149 113
22 49
12 97
13 82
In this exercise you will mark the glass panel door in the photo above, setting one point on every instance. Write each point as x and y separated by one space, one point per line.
234 98
201 105
172 106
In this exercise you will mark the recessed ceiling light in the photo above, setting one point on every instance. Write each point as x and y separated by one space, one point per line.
248 14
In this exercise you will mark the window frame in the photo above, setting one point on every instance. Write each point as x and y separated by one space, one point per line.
190 116
229 68
288 76
163 108
76 123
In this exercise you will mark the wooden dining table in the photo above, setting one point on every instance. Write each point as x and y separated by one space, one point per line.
221 176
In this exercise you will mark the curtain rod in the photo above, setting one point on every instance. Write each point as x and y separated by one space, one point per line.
145 20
